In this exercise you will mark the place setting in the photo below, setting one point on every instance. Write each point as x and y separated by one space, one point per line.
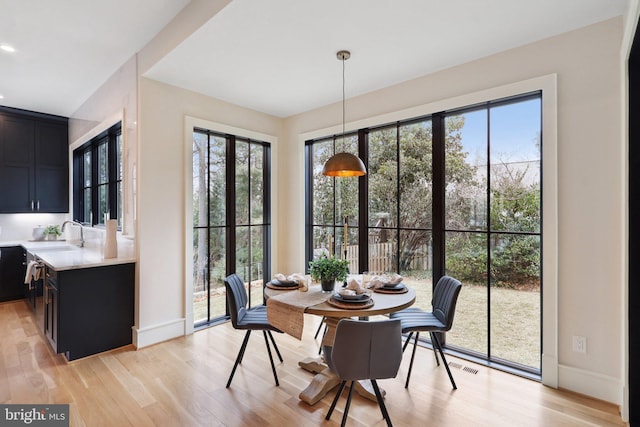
280 282
353 296
388 284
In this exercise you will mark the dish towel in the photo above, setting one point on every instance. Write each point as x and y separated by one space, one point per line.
33 271
286 311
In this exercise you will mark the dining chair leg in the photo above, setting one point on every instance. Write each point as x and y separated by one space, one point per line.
406 343
323 334
319 327
435 351
346 408
239 358
335 399
413 355
275 346
383 407
444 361
273 366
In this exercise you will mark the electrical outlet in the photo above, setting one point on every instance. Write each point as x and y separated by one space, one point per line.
579 344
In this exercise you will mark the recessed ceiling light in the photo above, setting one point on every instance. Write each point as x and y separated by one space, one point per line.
7 48
1 96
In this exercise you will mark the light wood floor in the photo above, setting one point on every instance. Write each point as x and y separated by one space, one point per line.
182 383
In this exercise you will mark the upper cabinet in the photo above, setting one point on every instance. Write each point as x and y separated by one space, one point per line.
34 162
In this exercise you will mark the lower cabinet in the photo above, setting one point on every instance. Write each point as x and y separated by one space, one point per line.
12 271
89 310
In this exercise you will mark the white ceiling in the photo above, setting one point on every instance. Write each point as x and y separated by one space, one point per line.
66 49
274 56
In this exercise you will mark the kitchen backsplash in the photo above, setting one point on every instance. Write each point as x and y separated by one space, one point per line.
20 226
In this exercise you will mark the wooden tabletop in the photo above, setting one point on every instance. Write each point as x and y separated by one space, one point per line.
383 304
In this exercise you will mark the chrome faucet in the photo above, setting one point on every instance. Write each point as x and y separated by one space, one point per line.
81 233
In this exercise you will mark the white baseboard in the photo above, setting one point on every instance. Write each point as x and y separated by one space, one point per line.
592 384
144 337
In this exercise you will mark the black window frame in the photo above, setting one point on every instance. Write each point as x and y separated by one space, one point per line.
438 226
231 225
113 138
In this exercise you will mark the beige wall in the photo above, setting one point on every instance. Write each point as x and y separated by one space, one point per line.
163 226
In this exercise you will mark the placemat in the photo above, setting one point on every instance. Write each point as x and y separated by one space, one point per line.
350 305
281 288
391 291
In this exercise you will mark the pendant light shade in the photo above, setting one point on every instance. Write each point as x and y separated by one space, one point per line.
344 164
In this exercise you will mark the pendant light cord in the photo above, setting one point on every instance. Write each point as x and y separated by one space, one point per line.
343 100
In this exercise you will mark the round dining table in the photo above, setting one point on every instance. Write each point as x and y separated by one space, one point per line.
325 379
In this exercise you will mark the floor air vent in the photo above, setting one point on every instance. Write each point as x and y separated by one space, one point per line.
464 368
471 370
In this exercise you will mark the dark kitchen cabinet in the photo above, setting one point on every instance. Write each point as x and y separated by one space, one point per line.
34 162
89 310
12 271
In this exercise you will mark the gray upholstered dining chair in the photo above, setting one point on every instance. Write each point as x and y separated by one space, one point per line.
440 319
249 319
364 350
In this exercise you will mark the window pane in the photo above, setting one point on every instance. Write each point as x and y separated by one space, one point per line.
242 183
466 171
243 261
415 175
350 250
87 205
323 197
515 167
256 268
217 187
466 260
347 189
119 157
416 265
103 204
217 271
87 168
382 251
119 202
323 241
383 178
103 163
200 274
515 298
257 184
200 156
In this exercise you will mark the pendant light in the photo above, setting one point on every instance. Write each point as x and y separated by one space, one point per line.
344 164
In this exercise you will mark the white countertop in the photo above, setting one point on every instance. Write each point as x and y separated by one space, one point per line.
62 255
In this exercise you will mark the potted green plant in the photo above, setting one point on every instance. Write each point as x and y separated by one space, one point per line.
52 232
328 270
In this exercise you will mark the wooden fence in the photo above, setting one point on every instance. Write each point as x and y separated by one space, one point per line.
382 257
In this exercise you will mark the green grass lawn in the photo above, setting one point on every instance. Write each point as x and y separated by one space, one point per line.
515 318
